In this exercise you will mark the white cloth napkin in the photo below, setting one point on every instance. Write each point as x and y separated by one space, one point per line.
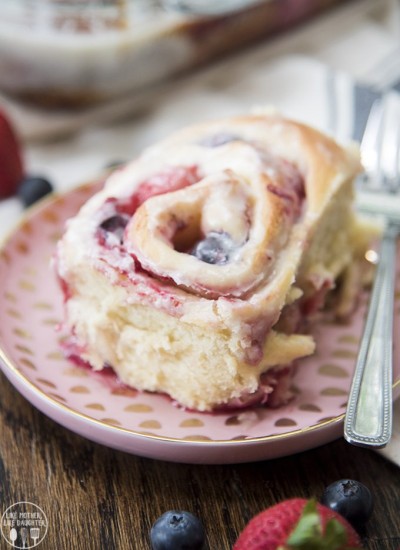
293 73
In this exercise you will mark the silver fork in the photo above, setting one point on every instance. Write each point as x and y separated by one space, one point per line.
368 420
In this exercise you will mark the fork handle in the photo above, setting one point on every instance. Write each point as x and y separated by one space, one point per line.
368 421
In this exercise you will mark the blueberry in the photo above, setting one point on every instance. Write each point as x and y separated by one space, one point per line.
33 188
177 531
114 164
115 225
217 140
215 248
351 499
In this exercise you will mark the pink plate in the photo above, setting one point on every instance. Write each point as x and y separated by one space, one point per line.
99 408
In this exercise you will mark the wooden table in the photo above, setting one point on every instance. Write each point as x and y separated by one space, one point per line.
98 498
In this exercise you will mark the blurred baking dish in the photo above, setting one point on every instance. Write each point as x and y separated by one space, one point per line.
80 52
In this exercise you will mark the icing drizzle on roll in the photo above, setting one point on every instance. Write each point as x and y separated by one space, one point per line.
213 228
215 210
247 218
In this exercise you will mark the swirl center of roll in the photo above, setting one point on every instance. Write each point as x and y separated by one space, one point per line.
219 236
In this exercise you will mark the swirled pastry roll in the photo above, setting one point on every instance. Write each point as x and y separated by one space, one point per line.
194 271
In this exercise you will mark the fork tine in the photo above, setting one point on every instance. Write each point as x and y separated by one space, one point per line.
380 146
371 144
392 169
397 158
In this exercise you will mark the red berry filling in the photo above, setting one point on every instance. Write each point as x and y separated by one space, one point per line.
170 179
111 230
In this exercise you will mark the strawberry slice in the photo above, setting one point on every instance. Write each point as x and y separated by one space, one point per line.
298 524
11 165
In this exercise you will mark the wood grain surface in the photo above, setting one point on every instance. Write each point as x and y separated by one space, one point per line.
99 498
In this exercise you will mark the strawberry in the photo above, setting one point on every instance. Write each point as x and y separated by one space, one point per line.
11 166
298 524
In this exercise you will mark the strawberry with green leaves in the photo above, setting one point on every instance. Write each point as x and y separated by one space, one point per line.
298 524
